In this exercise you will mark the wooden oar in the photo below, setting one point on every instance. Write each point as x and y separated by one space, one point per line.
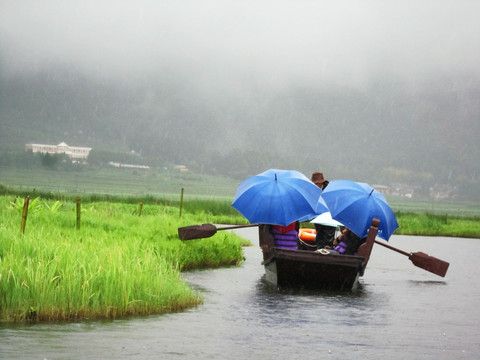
422 260
204 230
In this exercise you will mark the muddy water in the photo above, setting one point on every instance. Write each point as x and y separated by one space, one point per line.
399 311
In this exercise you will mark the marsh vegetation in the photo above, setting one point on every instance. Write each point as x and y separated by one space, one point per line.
125 257
117 264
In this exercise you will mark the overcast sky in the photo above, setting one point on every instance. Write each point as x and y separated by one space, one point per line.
220 42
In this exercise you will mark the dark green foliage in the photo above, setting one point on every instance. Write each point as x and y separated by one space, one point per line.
345 132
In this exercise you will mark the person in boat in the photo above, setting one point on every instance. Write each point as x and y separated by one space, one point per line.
347 243
284 237
325 234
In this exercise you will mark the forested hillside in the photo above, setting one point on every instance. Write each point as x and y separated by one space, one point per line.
387 129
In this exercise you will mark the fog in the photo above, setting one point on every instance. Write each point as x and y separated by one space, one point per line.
345 42
350 82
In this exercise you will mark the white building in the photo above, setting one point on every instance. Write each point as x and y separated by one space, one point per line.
73 152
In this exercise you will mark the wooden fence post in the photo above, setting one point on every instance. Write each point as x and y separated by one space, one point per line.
24 215
181 202
79 212
140 208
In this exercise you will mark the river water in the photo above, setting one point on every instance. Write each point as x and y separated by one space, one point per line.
399 311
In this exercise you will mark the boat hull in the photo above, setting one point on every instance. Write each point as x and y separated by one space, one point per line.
312 270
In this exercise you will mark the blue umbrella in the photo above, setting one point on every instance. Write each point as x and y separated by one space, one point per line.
277 197
355 204
320 208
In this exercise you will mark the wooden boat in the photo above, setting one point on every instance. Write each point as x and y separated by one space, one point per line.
286 268
311 269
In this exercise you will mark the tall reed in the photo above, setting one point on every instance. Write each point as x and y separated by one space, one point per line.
118 264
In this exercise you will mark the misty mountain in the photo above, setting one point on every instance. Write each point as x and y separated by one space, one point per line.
375 91
387 128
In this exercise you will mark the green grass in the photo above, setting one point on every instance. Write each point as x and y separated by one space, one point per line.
121 264
438 225
439 207
111 184
119 182
117 264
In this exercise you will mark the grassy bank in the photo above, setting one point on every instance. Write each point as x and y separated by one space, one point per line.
426 224
119 182
125 259
108 184
117 264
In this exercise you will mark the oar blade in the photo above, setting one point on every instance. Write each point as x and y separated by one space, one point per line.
196 231
429 263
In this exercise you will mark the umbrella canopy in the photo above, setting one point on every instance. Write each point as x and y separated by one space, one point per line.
355 204
319 209
321 206
326 219
277 197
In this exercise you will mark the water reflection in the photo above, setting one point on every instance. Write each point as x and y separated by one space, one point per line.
315 307
427 282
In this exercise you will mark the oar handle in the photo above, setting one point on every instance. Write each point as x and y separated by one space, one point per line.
236 227
392 248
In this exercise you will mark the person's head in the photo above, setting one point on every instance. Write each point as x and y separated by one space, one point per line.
317 179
